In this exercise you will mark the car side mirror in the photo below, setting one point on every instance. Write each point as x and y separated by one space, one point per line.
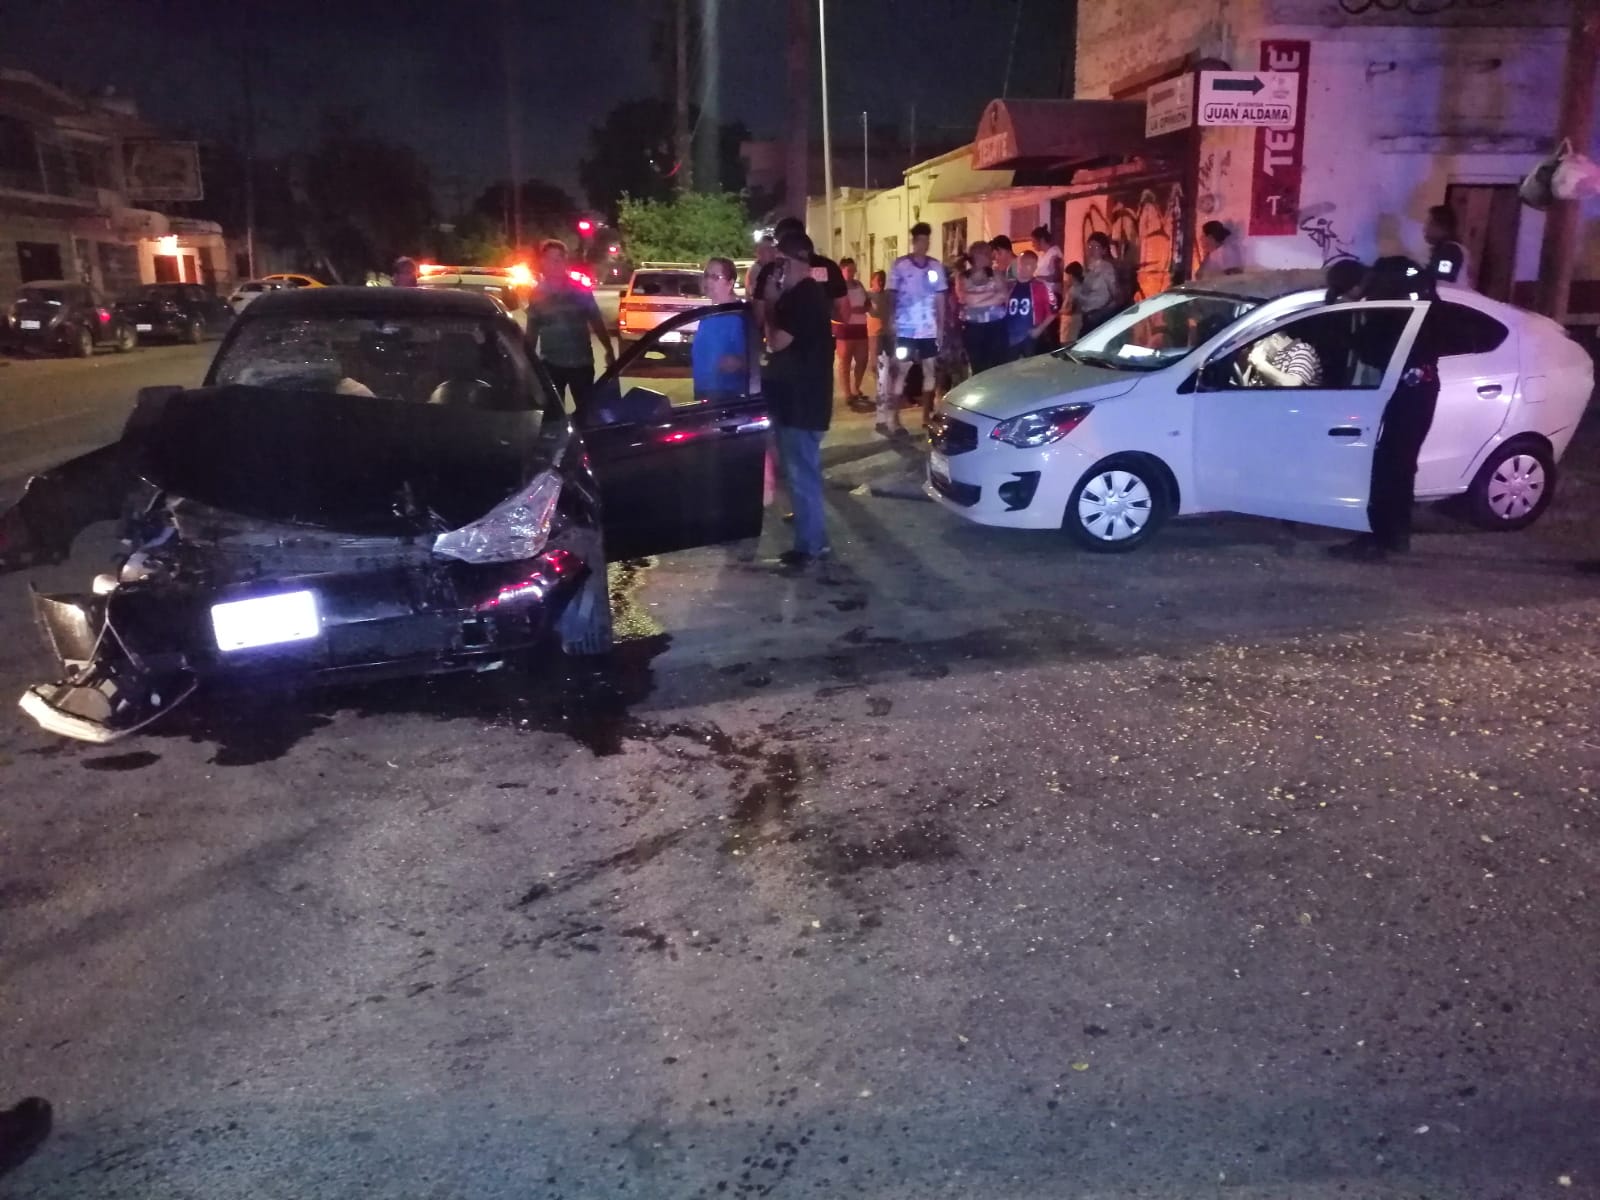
1217 374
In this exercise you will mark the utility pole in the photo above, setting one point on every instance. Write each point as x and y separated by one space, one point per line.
827 132
1576 124
683 150
708 149
866 171
249 161
511 46
798 131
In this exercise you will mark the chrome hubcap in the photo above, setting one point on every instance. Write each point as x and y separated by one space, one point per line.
1114 505
1516 487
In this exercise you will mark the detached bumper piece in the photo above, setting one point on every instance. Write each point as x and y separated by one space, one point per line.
100 713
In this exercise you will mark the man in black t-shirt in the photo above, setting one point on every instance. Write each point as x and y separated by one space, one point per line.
1407 417
799 383
1447 257
823 269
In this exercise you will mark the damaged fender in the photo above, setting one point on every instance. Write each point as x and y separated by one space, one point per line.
59 504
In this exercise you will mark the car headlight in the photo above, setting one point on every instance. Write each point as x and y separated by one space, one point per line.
510 531
1042 427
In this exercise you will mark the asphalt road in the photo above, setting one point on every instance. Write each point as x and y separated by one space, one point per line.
971 866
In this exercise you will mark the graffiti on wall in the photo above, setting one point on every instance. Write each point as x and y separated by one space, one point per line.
1143 225
1212 178
1317 223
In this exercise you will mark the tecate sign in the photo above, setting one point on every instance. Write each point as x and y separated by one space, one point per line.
1258 98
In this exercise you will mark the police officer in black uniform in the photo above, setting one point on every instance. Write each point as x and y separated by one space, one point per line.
1447 257
1407 417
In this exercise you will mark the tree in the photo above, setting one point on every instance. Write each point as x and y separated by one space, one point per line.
631 154
690 228
366 201
547 210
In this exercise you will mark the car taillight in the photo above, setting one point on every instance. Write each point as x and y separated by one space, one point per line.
579 278
104 316
515 529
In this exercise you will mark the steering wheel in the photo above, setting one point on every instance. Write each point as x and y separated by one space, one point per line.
1244 374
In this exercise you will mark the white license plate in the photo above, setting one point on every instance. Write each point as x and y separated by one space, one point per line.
938 465
144 328
671 337
266 621
29 324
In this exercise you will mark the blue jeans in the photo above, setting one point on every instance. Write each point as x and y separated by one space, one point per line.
800 455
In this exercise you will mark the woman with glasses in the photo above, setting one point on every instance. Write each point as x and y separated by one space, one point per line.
719 352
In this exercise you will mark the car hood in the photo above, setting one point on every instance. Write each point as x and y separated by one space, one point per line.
355 464
1033 383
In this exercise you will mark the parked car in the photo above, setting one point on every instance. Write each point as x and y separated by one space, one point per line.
370 482
657 291
182 311
507 286
54 316
293 279
250 289
1158 413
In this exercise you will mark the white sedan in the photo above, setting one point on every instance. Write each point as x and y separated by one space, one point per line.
250 289
1159 412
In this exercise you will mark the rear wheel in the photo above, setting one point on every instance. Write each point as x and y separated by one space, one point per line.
1513 488
126 339
1118 505
81 344
194 331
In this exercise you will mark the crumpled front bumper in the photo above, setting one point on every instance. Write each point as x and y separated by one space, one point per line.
131 656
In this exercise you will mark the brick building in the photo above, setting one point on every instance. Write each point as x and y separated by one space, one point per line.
69 171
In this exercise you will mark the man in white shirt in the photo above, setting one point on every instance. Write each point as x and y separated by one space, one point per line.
917 294
1223 254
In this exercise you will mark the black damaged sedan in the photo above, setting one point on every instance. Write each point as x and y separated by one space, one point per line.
371 482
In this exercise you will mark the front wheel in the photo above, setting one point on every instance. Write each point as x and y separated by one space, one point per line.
194 332
1118 505
1513 488
81 344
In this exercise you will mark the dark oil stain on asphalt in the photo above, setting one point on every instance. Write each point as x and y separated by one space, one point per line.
133 761
766 802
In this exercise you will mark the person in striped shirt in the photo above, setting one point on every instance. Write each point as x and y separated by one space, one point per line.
1285 362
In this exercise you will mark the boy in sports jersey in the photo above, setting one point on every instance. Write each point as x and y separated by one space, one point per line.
918 292
1030 311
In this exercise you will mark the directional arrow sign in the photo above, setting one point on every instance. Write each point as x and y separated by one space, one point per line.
1259 98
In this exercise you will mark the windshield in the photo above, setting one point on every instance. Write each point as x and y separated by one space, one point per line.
160 291
1159 331
667 283
427 360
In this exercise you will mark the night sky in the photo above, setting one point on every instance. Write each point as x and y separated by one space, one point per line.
431 74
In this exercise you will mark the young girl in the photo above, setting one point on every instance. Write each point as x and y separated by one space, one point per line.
1071 318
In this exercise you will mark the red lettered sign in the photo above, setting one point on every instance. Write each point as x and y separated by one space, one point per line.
1280 153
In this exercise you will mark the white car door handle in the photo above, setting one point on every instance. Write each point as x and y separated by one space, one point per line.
1489 390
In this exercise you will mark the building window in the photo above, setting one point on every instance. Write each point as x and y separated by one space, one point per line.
955 239
167 268
1023 221
39 260
19 156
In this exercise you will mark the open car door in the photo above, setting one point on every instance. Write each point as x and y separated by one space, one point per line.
682 464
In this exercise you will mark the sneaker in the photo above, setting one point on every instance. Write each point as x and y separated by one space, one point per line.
1365 548
889 432
795 560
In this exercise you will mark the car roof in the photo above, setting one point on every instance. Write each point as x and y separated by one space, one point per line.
55 283
372 302
1261 285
